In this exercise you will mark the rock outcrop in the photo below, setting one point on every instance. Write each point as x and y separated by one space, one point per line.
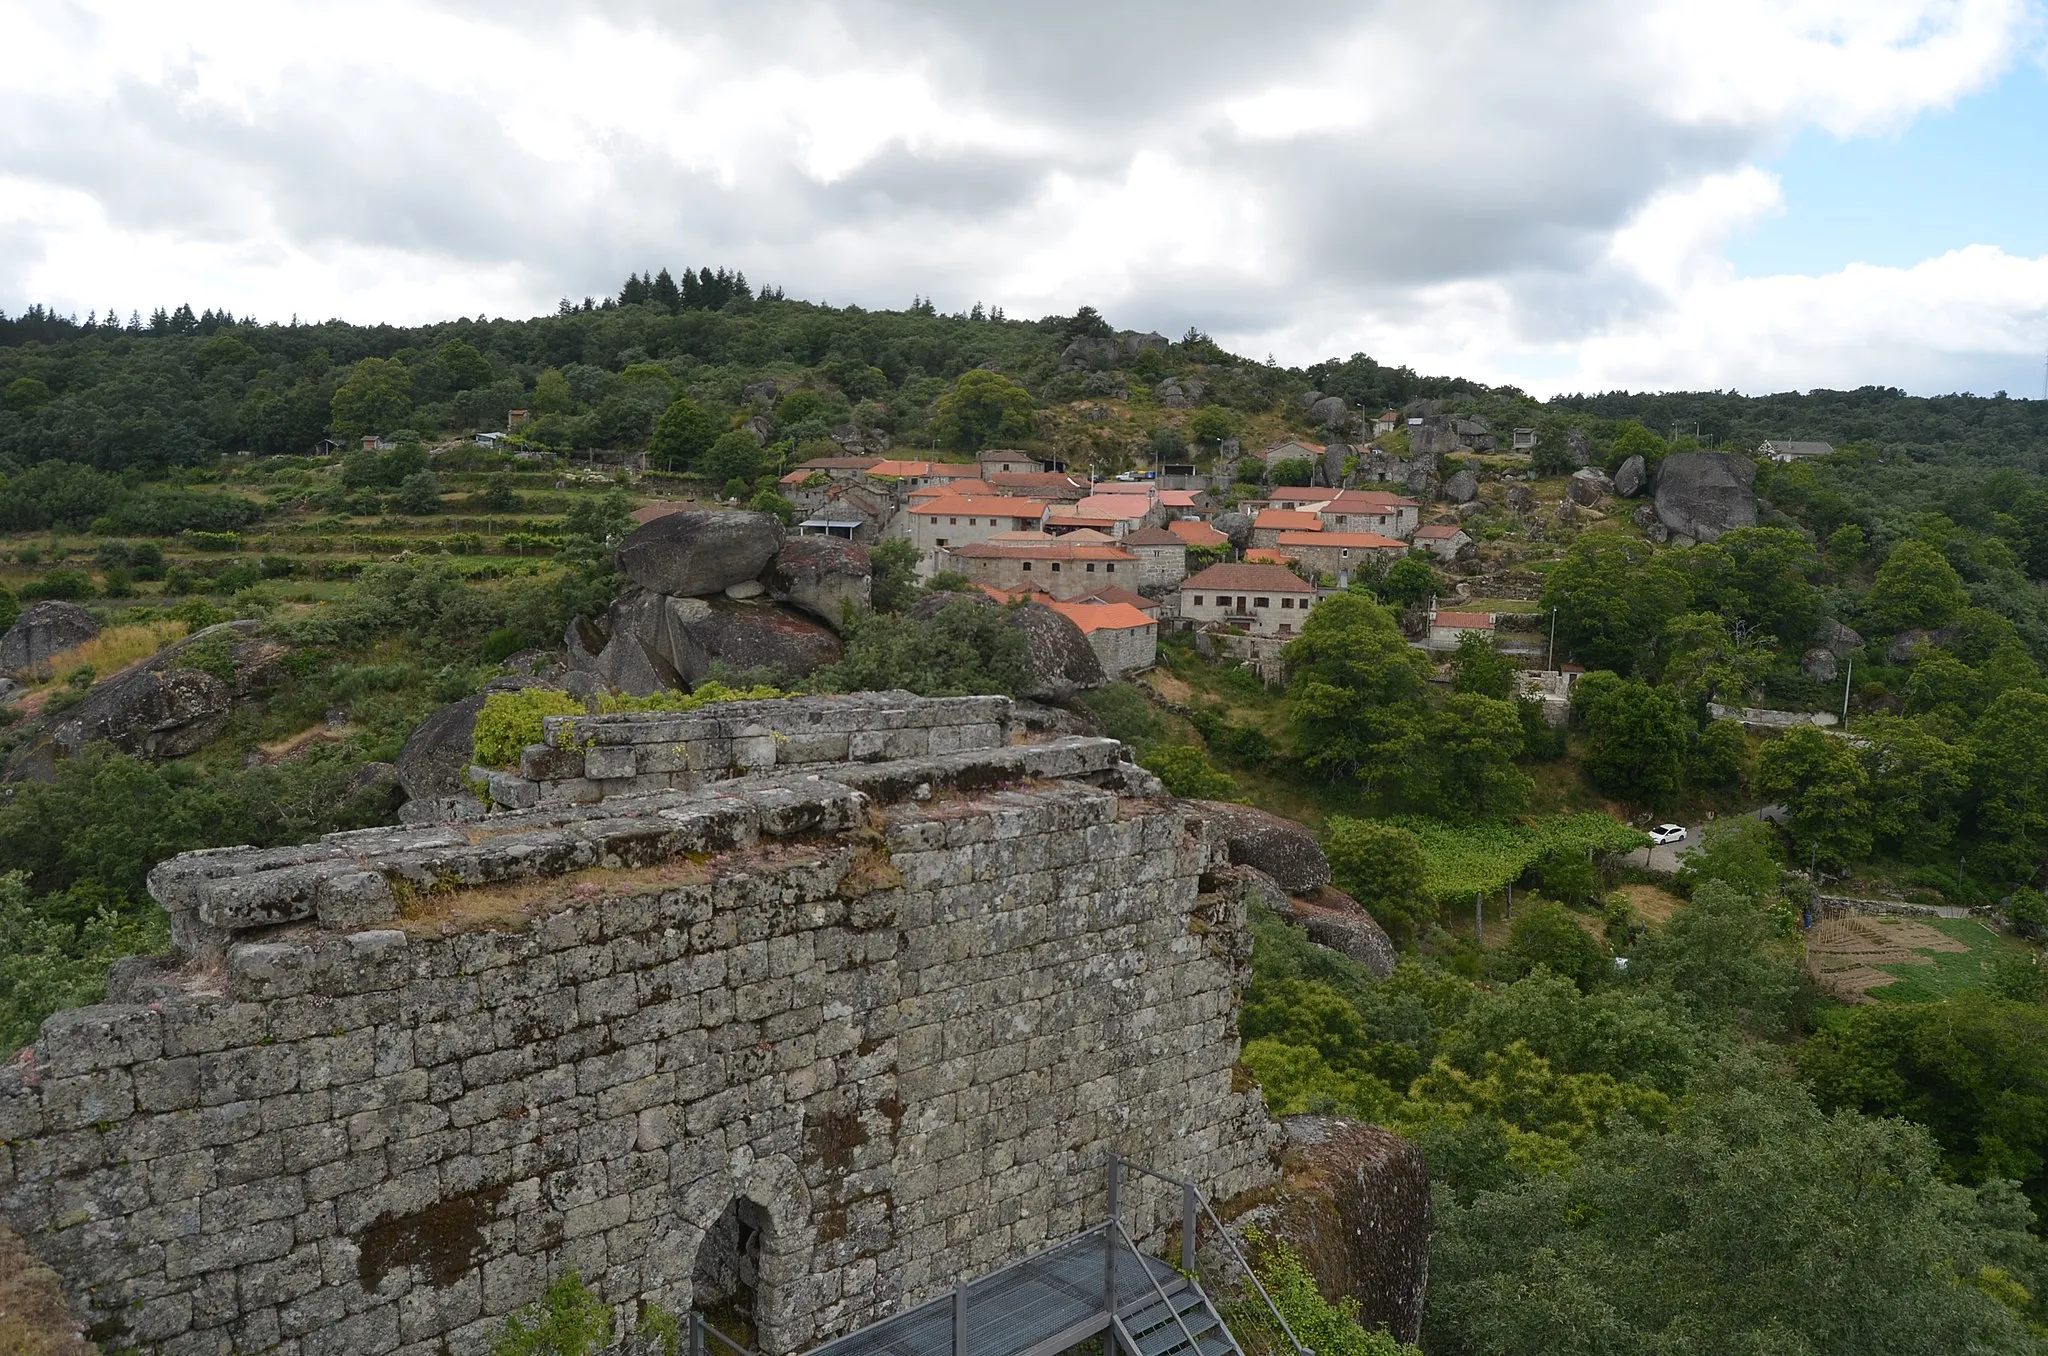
434 763
172 704
1236 526
1334 919
1633 477
1281 848
1461 488
1701 495
1354 1205
697 552
825 576
1588 486
44 630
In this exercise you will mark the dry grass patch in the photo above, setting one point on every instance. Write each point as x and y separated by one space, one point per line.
34 1320
1652 903
509 906
116 648
297 743
1844 954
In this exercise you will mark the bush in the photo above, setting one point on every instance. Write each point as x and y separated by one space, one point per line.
1324 1327
60 583
1381 866
1124 713
1549 936
1187 771
2027 911
509 721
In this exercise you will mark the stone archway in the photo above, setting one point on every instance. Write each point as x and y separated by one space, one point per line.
726 1279
742 1223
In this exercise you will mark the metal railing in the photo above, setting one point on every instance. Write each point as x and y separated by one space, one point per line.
1193 1205
700 1329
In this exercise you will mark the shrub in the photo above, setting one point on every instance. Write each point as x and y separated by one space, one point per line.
2027 910
1125 714
569 1320
509 721
1381 866
1187 771
1324 1327
60 583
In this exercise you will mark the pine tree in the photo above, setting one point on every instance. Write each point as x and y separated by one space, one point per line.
693 291
183 321
708 285
663 290
740 288
634 292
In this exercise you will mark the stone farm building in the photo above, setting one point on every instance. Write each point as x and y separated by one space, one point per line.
1341 554
1267 600
1390 515
1442 540
1162 556
1032 561
938 525
1274 523
1447 628
1125 639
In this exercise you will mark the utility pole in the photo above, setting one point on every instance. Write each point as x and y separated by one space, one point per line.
1845 691
1550 661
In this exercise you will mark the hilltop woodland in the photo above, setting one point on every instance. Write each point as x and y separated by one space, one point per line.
1649 1128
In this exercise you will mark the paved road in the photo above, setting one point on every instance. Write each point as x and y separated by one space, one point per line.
1664 858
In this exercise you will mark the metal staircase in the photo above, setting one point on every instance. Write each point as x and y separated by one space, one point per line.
1097 1284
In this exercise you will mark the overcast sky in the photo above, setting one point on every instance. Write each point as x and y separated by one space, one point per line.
1564 194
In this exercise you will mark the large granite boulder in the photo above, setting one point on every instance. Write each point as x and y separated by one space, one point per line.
1909 645
1421 480
1335 920
434 763
1587 486
654 641
1633 477
1331 412
43 630
1281 848
1461 488
1521 498
1578 449
825 576
1820 664
172 704
1700 495
1837 639
1059 663
1354 1204
697 553
1236 526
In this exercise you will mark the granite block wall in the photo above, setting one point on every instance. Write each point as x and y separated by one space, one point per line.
403 1078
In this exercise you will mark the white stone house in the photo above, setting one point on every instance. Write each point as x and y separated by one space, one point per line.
1123 638
1442 540
1267 600
1162 556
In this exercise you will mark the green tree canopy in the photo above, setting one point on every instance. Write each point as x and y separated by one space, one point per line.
1822 784
1916 587
1636 737
1357 687
1379 865
1481 668
1613 597
983 407
375 398
683 434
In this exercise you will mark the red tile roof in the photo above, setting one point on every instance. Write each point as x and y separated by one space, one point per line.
1465 621
1110 593
1365 501
1042 550
659 509
1438 531
1197 534
1153 536
1093 617
984 506
1267 555
1286 520
1249 578
1299 494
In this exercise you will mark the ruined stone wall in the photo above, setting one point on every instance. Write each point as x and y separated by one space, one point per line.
905 1009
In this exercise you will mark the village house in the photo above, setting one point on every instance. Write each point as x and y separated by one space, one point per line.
1442 540
1130 509
1066 518
937 525
1124 638
1292 451
1446 629
1782 450
1272 523
1031 561
1267 600
915 475
1340 554
1389 515
1003 461
1524 440
1114 593
967 489
1162 556
839 468
1304 497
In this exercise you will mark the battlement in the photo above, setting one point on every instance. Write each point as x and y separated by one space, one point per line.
824 1033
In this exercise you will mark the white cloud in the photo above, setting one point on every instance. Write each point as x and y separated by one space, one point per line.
1530 193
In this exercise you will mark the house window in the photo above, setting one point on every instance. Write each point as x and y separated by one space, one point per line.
1344 553
1262 602
1111 567
1055 567
942 541
1198 600
1091 567
935 522
1027 567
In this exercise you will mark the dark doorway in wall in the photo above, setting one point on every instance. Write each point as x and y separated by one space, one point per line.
725 1283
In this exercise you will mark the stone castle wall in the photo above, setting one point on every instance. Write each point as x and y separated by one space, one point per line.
903 1009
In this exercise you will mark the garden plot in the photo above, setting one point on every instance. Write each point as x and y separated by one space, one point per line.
1863 959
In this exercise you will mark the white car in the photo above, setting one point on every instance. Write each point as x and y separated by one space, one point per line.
1667 833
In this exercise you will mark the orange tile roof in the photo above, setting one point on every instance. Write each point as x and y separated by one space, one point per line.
1117 505
1286 520
1073 517
1467 621
1299 494
955 470
1197 534
1266 555
1152 536
1266 578
1358 541
1110 593
1177 498
1093 617
1438 531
